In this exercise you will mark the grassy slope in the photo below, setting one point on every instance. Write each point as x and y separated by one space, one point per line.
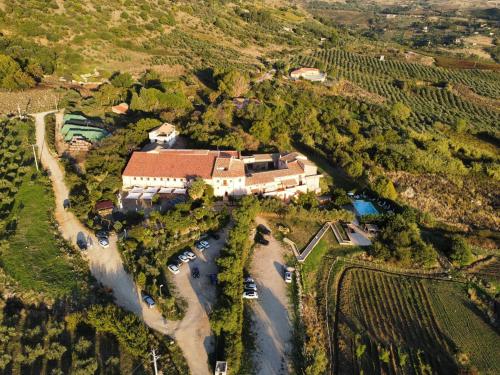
33 256
136 34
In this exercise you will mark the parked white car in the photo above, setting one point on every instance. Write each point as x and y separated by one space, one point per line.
183 258
250 294
103 242
190 255
250 286
249 280
173 268
288 277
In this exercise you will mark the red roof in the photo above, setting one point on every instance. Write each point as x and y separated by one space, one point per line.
173 163
104 205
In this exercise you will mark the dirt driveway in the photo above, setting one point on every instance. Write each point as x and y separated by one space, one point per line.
271 312
193 332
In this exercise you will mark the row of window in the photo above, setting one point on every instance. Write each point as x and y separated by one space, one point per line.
158 179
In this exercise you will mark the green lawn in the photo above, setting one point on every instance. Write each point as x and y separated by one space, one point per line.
34 258
301 231
314 261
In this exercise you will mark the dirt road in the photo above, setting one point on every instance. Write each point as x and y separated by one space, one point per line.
193 332
271 317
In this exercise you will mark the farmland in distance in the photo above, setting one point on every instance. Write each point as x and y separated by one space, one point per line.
391 324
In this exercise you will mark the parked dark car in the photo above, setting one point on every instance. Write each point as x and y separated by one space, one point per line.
214 235
259 238
195 273
213 279
149 301
82 244
263 229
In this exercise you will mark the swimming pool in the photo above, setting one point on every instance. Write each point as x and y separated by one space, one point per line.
364 208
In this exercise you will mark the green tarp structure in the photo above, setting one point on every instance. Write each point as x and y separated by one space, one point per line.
72 116
90 133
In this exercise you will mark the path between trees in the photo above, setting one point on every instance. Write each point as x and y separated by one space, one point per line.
107 267
271 312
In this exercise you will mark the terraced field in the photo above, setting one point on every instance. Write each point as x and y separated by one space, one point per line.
409 325
424 88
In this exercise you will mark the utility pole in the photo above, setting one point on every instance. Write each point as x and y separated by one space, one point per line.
36 161
155 357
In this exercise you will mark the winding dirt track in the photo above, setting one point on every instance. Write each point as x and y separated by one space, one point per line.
193 332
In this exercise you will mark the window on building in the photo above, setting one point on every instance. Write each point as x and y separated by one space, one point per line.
225 183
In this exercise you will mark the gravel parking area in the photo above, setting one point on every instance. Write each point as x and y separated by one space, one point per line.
271 312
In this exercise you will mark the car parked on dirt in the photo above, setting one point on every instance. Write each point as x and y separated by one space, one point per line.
190 255
288 277
259 238
174 269
261 228
103 242
250 294
183 258
149 301
195 272
250 286
202 245
82 244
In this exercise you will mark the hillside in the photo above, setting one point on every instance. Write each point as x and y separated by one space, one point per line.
133 35
403 112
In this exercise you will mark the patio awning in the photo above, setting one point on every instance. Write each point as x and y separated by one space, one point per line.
166 190
133 195
148 196
151 190
179 191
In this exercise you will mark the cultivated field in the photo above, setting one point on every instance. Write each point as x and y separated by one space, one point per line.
418 86
396 324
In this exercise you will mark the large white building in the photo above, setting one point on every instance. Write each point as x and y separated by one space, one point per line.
164 134
228 172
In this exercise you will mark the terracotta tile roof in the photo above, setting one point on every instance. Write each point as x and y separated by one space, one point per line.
269 176
171 163
104 205
164 130
228 167
120 108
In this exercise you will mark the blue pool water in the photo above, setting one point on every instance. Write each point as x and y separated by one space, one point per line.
364 208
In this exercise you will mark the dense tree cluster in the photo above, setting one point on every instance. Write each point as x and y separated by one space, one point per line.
400 240
227 316
12 77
